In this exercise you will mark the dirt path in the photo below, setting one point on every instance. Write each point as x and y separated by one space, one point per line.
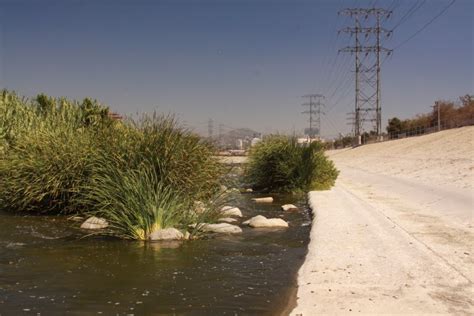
383 243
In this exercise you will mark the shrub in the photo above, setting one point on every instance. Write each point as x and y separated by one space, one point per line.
280 164
70 157
47 149
137 202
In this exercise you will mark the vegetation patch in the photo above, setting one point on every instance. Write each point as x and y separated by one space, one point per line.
280 164
63 156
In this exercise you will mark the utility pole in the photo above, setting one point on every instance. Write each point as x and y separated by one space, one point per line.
210 128
314 109
437 107
367 72
221 129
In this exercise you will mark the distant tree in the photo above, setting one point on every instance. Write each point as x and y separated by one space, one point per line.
394 126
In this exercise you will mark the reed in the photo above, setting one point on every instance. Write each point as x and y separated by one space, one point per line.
280 164
63 156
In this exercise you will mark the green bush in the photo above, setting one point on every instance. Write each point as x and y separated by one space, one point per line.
280 164
138 201
61 156
48 146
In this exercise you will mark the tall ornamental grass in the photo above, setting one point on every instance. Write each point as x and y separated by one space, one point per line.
47 146
62 156
280 164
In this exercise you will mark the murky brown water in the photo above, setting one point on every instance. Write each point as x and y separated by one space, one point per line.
46 269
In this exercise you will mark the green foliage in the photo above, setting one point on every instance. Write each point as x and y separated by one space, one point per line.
62 156
138 201
280 164
47 147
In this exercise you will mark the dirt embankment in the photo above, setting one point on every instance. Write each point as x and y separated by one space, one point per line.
396 233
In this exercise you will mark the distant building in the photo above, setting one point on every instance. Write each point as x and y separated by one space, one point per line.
255 141
240 144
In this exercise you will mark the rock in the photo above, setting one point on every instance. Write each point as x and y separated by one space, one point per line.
249 190
254 218
231 211
222 228
263 200
77 218
261 221
187 235
199 207
289 207
227 220
94 223
166 234
223 188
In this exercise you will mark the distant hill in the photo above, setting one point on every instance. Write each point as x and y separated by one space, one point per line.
229 140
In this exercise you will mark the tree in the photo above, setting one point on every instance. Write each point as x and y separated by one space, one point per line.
395 126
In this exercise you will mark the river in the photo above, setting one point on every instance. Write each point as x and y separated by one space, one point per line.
48 267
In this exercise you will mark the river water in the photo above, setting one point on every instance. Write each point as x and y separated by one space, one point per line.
46 268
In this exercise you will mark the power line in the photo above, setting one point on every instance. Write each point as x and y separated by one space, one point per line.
416 6
426 25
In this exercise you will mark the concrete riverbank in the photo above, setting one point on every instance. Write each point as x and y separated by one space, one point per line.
396 233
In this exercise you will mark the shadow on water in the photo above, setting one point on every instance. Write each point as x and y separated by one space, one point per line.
45 268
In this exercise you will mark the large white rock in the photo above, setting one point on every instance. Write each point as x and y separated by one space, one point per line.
95 223
289 207
166 234
263 200
261 221
227 220
231 211
222 228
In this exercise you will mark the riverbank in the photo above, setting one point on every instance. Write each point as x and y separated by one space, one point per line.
396 233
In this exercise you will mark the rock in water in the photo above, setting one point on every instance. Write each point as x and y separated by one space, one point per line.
261 221
231 211
289 207
166 234
95 223
227 220
263 200
222 228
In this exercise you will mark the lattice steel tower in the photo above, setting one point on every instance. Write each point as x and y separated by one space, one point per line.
367 33
314 110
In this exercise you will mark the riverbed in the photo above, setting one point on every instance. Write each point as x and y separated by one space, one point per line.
48 267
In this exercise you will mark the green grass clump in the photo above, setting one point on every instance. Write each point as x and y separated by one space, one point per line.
62 156
46 150
136 202
280 164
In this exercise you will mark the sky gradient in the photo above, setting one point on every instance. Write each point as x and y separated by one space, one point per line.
242 63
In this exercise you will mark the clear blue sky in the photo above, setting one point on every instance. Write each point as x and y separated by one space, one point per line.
243 63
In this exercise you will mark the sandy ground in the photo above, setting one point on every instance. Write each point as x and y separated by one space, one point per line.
396 233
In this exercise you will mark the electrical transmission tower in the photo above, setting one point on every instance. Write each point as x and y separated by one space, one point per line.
210 128
314 110
351 121
367 33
